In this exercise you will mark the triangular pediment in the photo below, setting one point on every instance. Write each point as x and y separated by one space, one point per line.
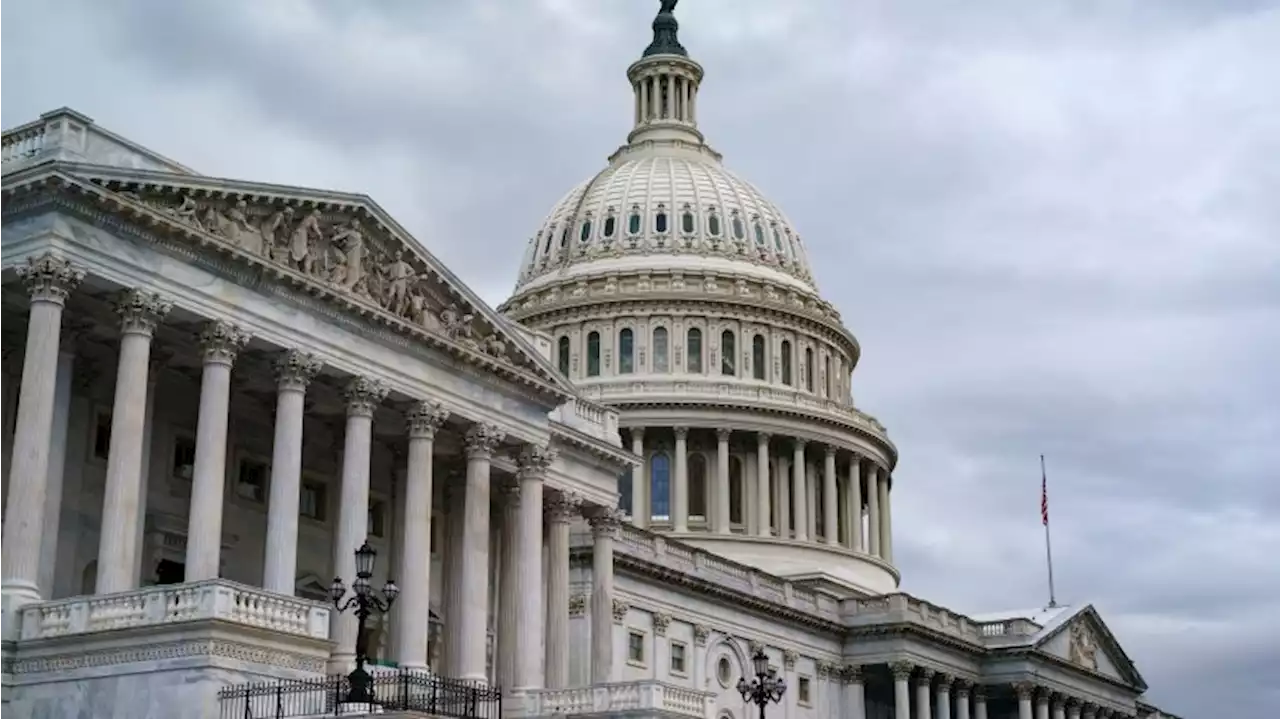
337 246
1083 640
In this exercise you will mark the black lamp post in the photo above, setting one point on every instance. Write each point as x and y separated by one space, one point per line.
766 687
365 603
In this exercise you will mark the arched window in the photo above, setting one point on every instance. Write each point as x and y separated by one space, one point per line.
660 486
773 497
564 237
624 492
826 370
759 234
686 222
693 349
593 354
736 509
728 354
661 361
757 356
585 235
562 356
626 351
660 221
610 225
633 222
819 499
697 486
713 224
738 231
777 240
786 362
546 244
808 368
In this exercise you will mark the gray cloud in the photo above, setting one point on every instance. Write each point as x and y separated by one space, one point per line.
1052 225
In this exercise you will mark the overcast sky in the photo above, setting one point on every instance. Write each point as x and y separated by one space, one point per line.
1054 226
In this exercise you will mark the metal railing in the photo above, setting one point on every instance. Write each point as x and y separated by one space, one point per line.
400 691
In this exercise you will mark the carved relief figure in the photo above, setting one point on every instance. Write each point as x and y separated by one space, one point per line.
273 225
349 243
457 325
302 242
188 212
399 276
1083 650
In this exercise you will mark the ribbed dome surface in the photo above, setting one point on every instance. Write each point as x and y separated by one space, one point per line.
666 204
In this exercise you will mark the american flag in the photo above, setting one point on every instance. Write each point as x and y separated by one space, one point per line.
1044 497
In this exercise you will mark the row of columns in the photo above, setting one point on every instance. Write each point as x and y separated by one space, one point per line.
792 521
938 695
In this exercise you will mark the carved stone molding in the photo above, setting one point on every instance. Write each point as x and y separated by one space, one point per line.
754 647
700 634
605 521
482 439
1024 690
853 674
789 659
680 431
901 670
823 669
535 462
162 651
723 434
620 609
424 418
295 369
926 675
661 622
221 341
944 682
363 395
562 507
577 605
140 311
50 277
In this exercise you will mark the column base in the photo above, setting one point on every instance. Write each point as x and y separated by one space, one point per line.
14 595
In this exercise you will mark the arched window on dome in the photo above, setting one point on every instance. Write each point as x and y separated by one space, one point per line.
786 362
546 244
593 354
661 350
660 486
687 223
693 350
739 230
562 356
660 220
713 223
757 356
777 240
828 390
585 235
624 492
564 237
774 499
808 368
759 230
634 222
736 509
697 486
626 351
610 225
728 354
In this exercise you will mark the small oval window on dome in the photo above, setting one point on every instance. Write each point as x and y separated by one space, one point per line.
713 225
633 223
686 222
585 235
738 230
610 225
660 222
759 234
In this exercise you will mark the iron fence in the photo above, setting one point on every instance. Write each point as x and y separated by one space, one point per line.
400 691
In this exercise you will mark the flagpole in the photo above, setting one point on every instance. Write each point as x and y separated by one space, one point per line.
1044 514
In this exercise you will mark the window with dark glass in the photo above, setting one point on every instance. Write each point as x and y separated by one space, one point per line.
593 354
660 486
312 500
777 240
713 225
624 492
697 485
546 245
738 231
826 369
586 231
610 224
660 222
661 350
757 357
728 354
251 482
808 368
786 362
686 222
693 349
735 490
564 237
562 356
184 457
633 223
759 234
626 351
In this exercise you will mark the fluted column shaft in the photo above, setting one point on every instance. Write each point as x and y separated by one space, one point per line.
830 500
762 486
482 440
979 703
294 372
123 501
1042 707
534 464
886 519
923 700
962 701
943 699
221 341
559 511
507 654
413 621
722 480
800 491
640 509
901 689
680 490
50 529
1059 710
1073 710
855 503
363 395
50 279
1024 692
855 693
604 528
873 509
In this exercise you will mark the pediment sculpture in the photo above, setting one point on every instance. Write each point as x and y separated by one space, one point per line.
1082 648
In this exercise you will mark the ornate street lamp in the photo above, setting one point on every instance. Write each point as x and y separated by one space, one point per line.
365 603
766 687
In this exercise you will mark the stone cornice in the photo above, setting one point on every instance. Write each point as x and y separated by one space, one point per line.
597 448
28 191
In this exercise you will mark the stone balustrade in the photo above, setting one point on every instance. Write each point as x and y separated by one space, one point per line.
590 418
69 136
174 603
638 697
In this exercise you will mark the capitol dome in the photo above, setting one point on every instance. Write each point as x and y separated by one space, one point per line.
672 290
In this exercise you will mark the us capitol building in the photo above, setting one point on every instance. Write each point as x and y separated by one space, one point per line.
602 499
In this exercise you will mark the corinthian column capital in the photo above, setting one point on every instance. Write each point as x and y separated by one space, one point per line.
140 311
221 341
295 370
535 462
605 521
363 395
562 507
50 277
483 439
424 418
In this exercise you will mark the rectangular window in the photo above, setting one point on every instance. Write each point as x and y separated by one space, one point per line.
677 658
184 458
251 482
313 500
635 648
803 691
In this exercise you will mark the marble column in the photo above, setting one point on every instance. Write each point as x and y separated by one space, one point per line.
855 692
50 529
680 490
482 440
294 371
886 519
455 524
830 499
962 699
873 509
1024 690
855 503
220 342
785 530
604 529
762 485
123 501
363 395
640 511
1073 709
561 508
722 480
979 702
1042 704
534 464
414 620
902 688
800 490
943 698
507 655
1058 708
1089 711
923 699
50 279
